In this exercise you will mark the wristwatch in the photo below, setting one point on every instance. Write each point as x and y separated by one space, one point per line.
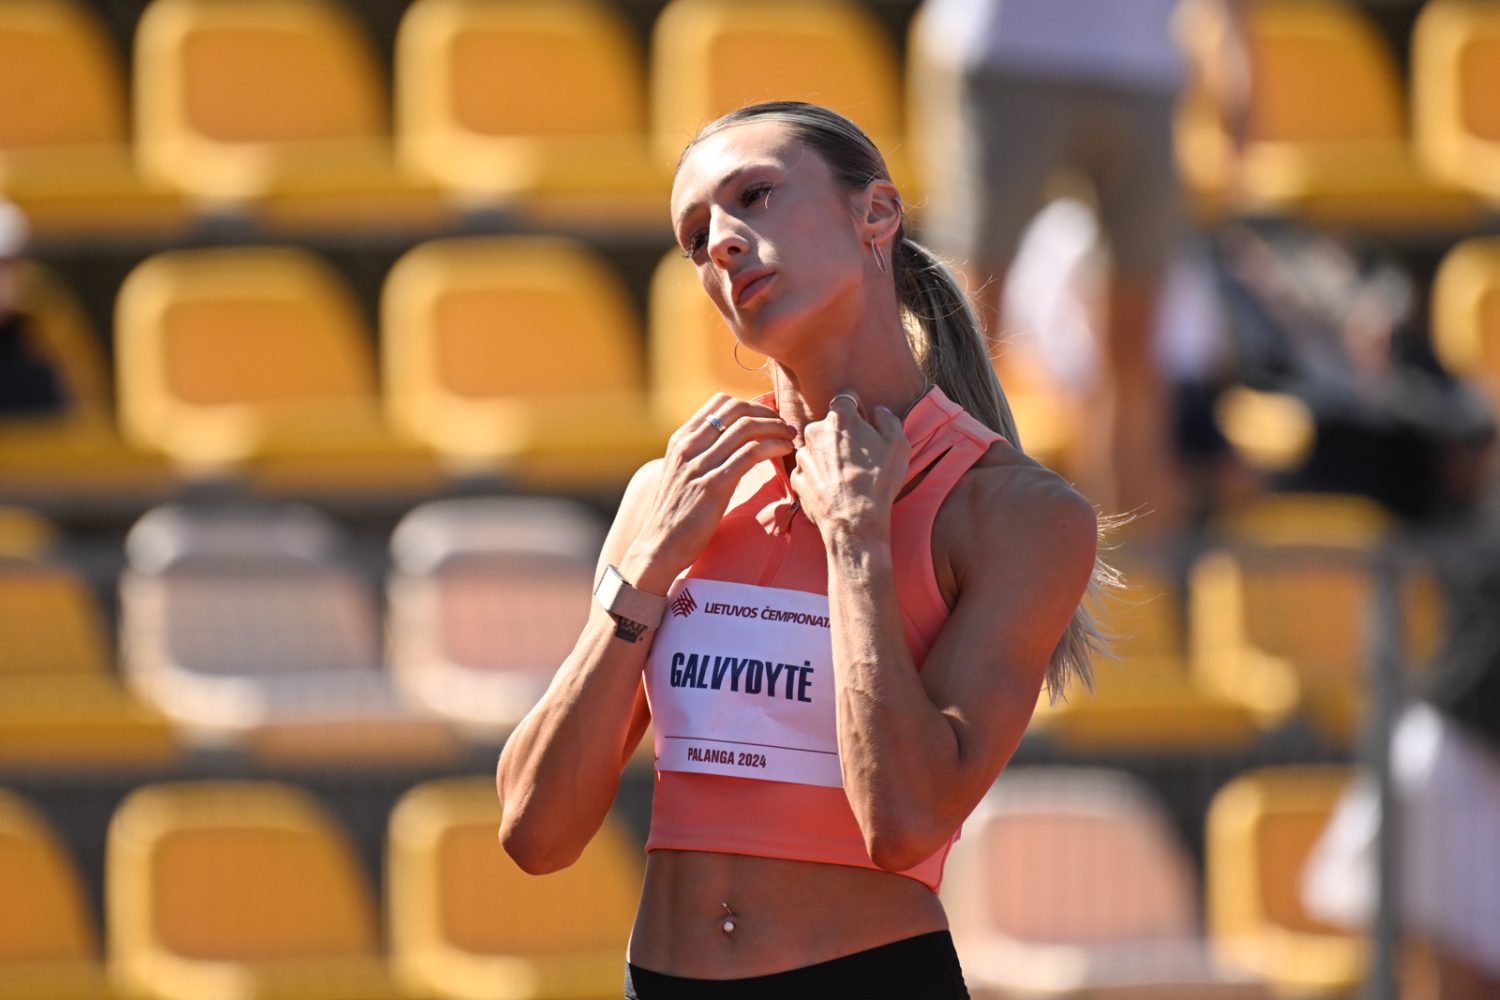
634 611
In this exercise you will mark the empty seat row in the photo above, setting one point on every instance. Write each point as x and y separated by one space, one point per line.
252 889
276 108
513 356
516 356
1068 882
540 109
1072 883
1265 628
254 628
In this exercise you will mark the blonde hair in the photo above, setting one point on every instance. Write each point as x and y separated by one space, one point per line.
944 334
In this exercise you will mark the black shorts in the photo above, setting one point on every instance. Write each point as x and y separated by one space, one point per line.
919 968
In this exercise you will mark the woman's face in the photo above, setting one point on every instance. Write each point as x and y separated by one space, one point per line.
774 237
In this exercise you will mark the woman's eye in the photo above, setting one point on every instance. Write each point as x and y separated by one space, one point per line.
695 243
755 193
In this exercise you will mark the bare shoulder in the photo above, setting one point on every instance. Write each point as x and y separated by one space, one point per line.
1010 511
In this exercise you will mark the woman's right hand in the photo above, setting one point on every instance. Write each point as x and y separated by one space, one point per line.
697 477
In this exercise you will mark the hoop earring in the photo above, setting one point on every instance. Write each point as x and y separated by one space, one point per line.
744 367
879 260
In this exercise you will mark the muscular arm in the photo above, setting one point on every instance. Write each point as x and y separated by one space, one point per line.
554 791
918 749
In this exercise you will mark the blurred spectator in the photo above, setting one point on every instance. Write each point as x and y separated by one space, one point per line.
1021 89
28 385
1340 325
1051 318
1445 760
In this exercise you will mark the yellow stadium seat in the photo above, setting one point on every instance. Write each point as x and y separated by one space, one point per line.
1261 828
1272 431
48 948
77 450
1327 136
272 107
466 923
1466 312
237 890
1070 882
1145 698
709 57
25 533
1280 616
255 360
61 704
1456 93
487 599
535 106
520 355
64 156
692 350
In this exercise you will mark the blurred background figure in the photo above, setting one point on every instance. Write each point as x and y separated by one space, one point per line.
1022 92
1445 757
28 385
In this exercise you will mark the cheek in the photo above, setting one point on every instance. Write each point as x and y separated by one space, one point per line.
714 290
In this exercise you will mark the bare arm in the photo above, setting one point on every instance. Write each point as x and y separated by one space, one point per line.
560 768
918 750
554 788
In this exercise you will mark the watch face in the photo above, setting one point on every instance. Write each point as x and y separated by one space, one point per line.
609 587
622 600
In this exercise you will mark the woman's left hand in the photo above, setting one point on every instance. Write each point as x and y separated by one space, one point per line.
850 470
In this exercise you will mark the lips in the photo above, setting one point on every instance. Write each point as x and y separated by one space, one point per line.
748 284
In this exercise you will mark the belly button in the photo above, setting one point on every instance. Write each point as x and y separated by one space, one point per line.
728 925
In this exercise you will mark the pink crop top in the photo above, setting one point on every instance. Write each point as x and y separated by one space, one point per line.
763 542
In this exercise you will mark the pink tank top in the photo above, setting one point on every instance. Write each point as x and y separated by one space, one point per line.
717 693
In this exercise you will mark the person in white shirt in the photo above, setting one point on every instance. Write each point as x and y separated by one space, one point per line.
1013 92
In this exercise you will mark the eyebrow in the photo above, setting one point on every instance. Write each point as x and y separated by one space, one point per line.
724 182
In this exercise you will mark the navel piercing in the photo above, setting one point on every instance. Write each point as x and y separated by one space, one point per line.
728 926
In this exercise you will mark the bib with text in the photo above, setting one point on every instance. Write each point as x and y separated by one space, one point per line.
740 682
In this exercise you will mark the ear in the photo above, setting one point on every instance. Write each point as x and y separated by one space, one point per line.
881 211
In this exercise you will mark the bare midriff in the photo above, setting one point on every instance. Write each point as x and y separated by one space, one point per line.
780 914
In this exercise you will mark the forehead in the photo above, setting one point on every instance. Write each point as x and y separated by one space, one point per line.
713 158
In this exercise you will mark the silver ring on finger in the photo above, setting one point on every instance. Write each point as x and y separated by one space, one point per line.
714 422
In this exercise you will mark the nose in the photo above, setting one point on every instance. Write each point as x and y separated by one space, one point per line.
725 239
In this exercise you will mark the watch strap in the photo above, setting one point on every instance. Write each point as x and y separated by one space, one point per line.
634 611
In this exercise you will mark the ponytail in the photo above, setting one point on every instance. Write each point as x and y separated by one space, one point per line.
949 345
944 335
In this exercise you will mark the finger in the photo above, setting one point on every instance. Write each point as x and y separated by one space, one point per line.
799 479
713 404
715 418
744 431
693 426
888 424
846 403
738 409
748 455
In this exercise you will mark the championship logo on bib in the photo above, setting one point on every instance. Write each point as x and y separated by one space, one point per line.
740 682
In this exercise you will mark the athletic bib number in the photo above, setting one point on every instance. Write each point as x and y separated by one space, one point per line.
740 682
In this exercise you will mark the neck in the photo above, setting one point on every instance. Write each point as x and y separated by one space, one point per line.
804 391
